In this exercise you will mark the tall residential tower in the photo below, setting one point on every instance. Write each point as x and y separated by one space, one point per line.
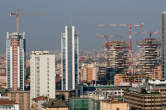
70 58
15 57
42 68
163 14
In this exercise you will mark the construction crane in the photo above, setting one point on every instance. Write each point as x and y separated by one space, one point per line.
18 14
130 27
106 43
148 33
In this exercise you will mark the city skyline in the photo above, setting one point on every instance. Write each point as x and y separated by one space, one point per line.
56 14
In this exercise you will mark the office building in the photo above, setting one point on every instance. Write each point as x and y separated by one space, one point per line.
70 54
42 68
163 14
15 57
144 100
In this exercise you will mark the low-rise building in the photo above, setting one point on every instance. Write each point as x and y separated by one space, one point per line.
143 100
6 104
113 105
20 97
53 104
158 85
38 101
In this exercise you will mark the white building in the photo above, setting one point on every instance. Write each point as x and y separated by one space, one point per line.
42 68
69 58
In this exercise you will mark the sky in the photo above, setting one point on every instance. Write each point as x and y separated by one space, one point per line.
43 32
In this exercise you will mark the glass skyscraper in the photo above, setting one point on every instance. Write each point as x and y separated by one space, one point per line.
69 58
163 14
15 57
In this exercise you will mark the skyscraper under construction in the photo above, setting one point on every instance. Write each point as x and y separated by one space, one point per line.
117 56
150 54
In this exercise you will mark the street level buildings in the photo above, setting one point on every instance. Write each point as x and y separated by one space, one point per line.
15 57
69 58
42 68
6 104
21 98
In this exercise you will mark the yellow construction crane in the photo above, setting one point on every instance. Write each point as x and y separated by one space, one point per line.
18 14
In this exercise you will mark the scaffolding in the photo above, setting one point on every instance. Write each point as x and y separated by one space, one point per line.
150 54
118 56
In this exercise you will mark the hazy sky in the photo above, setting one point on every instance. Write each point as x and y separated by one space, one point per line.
43 32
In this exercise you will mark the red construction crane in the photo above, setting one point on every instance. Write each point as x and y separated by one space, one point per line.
106 43
148 33
130 27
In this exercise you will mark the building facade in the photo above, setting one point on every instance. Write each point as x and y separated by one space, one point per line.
6 104
69 58
150 54
145 100
21 98
15 57
42 68
163 44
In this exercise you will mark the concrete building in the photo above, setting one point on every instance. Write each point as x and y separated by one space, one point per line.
88 73
54 104
117 56
6 104
150 54
21 98
157 74
91 73
113 105
163 15
38 101
69 58
15 57
145 100
42 68
157 85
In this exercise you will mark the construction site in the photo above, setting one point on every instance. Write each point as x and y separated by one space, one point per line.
150 54
117 56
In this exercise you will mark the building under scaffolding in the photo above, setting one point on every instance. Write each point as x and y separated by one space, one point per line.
117 56
150 54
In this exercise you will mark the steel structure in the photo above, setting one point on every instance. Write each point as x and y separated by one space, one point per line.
130 27
150 52
106 37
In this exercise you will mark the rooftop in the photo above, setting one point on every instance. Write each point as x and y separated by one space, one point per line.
6 102
40 98
54 103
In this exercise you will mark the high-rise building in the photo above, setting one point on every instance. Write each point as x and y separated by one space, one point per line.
15 57
70 54
117 56
163 14
42 68
150 54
